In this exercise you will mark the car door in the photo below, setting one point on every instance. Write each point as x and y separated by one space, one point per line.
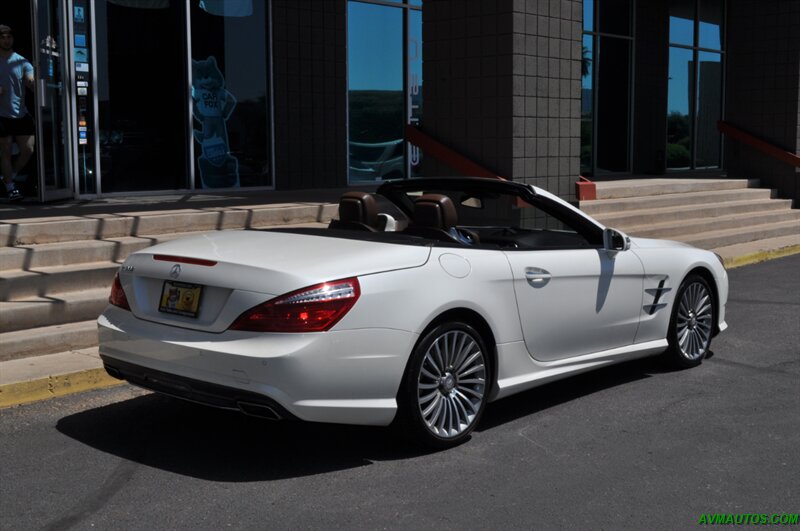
574 302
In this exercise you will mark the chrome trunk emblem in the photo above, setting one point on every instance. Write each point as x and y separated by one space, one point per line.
175 272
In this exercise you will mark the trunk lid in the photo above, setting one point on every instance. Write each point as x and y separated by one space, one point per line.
249 267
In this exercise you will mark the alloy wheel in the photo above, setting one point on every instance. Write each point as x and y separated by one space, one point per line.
694 321
451 385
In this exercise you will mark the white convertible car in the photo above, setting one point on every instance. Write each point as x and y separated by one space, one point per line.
419 305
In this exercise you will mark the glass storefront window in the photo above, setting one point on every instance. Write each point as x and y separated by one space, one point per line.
694 90
681 22
587 104
614 16
588 15
710 27
414 89
679 101
613 105
375 92
229 90
709 105
606 87
141 58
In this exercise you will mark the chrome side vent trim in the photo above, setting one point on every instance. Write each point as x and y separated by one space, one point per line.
656 292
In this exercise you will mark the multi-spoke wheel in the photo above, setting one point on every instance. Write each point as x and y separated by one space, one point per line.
446 385
692 323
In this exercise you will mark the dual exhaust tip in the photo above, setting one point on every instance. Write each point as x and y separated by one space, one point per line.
258 410
248 408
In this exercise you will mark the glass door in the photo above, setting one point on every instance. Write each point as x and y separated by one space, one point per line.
51 63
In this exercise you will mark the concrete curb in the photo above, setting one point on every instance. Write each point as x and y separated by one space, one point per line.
15 394
25 392
761 256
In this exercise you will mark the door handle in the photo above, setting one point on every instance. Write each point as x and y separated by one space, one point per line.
536 275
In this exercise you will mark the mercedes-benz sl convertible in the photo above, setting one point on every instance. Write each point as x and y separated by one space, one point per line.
419 305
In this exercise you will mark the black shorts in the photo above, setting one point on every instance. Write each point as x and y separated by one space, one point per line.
17 126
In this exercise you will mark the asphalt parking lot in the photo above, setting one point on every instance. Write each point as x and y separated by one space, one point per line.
628 447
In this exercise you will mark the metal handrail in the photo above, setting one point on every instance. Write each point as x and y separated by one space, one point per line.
773 151
452 158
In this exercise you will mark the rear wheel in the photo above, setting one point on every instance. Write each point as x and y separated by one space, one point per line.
444 393
692 323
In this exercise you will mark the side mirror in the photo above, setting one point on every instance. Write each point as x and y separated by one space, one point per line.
615 241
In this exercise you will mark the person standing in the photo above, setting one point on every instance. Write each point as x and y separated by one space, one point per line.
15 122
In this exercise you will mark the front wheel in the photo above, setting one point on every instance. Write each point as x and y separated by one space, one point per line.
445 389
692 323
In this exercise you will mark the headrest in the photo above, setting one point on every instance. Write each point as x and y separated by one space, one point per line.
359 207
435 211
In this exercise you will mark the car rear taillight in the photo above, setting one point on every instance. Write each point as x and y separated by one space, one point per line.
117 297
312 309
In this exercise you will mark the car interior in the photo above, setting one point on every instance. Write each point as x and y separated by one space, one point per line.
436 218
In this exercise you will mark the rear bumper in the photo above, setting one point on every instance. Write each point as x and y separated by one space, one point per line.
205 393
349 376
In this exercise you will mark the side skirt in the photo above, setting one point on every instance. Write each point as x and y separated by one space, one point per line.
519 372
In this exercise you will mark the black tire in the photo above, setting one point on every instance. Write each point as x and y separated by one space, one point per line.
691 325
450 363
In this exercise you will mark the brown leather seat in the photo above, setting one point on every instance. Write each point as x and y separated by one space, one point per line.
435 211
357 211
435 217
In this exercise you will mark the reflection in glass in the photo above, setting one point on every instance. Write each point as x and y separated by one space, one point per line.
681 22
614 16
588 15
230 94
709 107
613 105
711 24
142 96
587 105
679 102
414 88
375 92
52 99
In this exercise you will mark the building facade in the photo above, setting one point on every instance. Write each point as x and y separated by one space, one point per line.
146 96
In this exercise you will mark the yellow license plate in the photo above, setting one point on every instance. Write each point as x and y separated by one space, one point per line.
180 298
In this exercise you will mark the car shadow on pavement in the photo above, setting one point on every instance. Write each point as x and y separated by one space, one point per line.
206 443
568 389
217 445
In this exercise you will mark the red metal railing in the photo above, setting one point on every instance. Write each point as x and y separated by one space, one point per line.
452 158
585 189
765 147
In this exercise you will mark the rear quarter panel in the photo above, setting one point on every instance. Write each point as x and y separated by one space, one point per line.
410 299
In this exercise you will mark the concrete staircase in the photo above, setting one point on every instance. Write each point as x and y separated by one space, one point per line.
56 272
729 216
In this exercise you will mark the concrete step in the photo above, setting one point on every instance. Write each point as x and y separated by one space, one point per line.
693 226
722 238
104 226
48 340
759 250
667 214
648 187
19 284
37 312
79 252
672 200
33 256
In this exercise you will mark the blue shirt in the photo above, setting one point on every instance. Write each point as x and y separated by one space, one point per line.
12 78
